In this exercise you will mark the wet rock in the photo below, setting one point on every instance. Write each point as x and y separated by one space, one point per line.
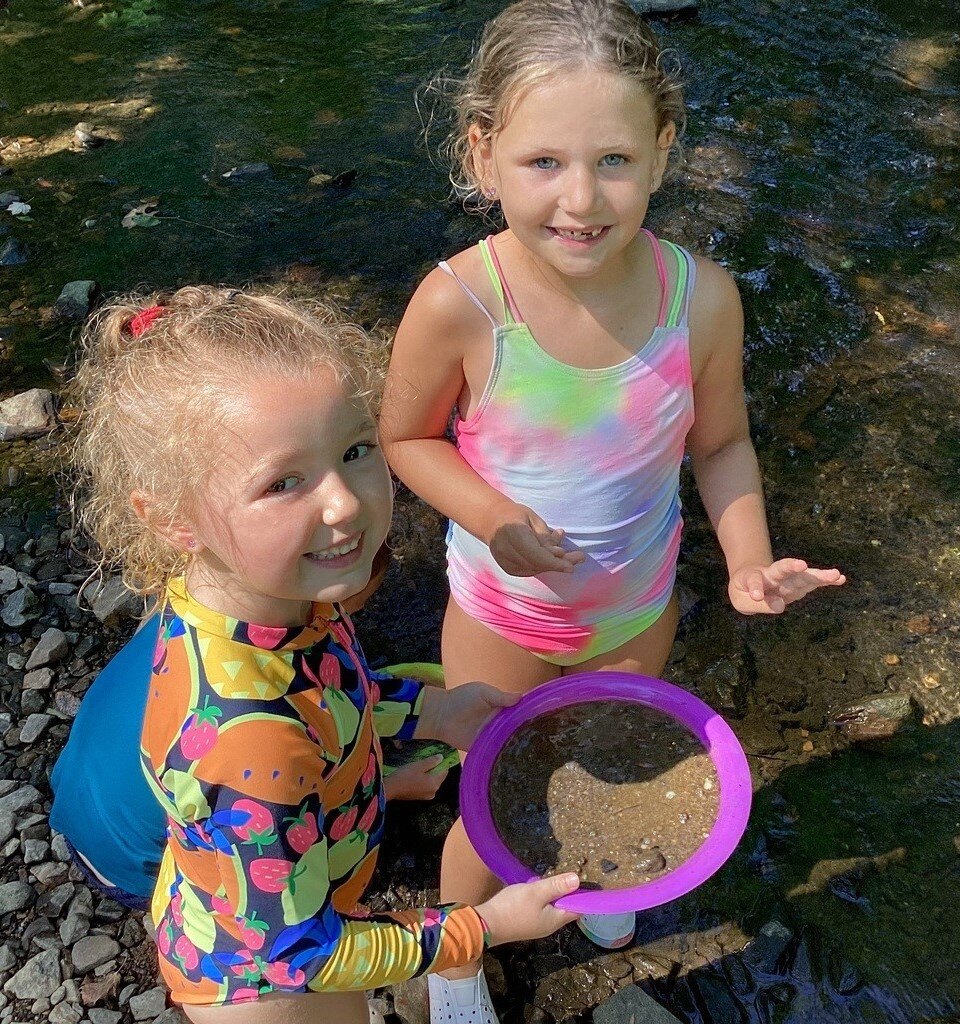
28 414
247 171
766 949
75 300
112 602
875 718
720 1002
38 978
149 1004
6 198
13 253
94 950
631 1005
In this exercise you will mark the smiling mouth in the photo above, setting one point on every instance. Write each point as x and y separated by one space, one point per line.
579 234
337 552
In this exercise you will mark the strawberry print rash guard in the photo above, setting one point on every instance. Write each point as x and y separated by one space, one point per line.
261 743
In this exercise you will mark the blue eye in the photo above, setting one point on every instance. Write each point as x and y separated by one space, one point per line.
613 160
358 451
545 163
286 484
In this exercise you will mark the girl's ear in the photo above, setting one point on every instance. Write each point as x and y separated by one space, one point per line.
665 141
176 532
482 156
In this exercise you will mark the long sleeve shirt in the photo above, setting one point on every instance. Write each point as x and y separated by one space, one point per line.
262 745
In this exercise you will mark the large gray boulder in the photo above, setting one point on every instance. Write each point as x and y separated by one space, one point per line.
28 414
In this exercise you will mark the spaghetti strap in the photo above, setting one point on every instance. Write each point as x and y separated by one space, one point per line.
661 274
510 303
469 292
683 289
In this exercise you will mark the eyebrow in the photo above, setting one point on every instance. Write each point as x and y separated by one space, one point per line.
274 462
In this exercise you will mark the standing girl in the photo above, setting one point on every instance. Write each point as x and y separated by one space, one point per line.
582 355
232 467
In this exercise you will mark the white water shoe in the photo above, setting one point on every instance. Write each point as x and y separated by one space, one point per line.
610 931
463 1001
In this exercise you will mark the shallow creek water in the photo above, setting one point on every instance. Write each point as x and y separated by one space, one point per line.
822 169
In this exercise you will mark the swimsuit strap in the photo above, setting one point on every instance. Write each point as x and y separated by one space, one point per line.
661 274
510 311
470 293
683 289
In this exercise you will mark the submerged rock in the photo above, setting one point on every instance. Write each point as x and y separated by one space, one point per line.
875 718
631 1005
75 300
13 253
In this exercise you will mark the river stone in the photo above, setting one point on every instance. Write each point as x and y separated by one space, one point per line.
35 851
149 1004
39 978
8 959
75 300
245 171
15 896
64 1013
33 728
7 825
21 607
8 579
631 1005
51 648
100 1015
112 602
28 414
94 950
874 718
77 922
39 679
19 798
51 903
13 253
171 1016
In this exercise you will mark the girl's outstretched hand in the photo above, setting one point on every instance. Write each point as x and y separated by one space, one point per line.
767 590
465 710
526 910
523 545
415 781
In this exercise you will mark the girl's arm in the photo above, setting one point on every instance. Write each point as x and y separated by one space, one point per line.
425 381
724 462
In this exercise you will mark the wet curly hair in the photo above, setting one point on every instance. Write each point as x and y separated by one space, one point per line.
152 407
528 43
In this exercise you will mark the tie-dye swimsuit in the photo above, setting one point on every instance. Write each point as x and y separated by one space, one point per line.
261 744
596 452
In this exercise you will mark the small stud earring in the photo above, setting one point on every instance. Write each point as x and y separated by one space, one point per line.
490 193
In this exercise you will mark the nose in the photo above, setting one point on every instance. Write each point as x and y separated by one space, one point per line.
340 502
579 191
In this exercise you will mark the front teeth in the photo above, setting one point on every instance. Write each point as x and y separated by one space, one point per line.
579 236
342 549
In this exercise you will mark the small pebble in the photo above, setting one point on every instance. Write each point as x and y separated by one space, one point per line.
708 784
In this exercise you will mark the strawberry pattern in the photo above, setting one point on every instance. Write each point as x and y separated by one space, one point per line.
261 743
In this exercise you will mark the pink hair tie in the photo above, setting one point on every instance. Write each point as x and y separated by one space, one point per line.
142 321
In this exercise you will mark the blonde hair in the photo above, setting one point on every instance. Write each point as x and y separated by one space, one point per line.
529 42
152 406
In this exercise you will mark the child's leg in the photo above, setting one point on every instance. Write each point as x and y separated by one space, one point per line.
646 653
472 652
278 1008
